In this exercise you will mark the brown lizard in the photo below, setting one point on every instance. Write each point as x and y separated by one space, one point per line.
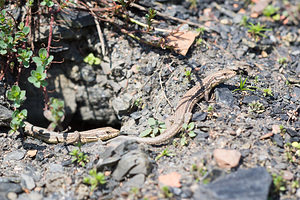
183 112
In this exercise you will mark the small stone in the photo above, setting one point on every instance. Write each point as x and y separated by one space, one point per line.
55 168
136 181
276 129
227 158
278 140
14 155
287 175
12 196
292 132
171 179
31 153
224 95
199 116
27 182
10 187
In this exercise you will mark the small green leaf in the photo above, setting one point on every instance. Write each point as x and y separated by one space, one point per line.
145 133
191 126
184 126
151 121
155 131
183 141
43 53
26 30
192 134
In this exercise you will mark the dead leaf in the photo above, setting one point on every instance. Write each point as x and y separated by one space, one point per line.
265 136
171 179
181 41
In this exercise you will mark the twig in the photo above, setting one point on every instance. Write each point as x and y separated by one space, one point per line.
100 34
170 17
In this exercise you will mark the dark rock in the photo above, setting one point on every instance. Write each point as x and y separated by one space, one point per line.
199 116
14 155
249 184
292 132
296 94
108 162
5 116
224 95
278 140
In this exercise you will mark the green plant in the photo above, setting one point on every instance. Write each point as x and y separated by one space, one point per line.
242 86
92 60
271 11
149 17
187 129
95 179
210 108
282 61
198 171
267 92
155 127
282 129
56 113
256 30
166 192
17 121
200 30
193 4
256 107
244 21
188 74
279 183
47 3
165 152
79 157
295 184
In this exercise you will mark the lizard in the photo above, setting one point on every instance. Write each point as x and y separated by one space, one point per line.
183 114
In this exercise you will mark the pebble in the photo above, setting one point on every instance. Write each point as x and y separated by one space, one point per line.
15 155
27 182
278 140
227 158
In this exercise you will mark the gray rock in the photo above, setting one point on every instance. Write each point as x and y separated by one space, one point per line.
122 104
14 155
27 182
278 140
134 162
136 181
55 168
224 95
199 116
249 184
5 116
296 94
10 187
250 99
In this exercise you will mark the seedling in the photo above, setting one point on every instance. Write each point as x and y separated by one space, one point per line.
267 92
95 179
210 108
271 11
295 184
198 171
200 30
256 30
193 4
166 192
199 41
244 21
149 18
79 157
134 193
279 183
188 74
292 151
256 107
92 60
282 61
18 120
242 86
166 153
55 114
187 129
282 129
155 128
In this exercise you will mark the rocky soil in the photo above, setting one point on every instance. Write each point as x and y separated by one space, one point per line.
243 144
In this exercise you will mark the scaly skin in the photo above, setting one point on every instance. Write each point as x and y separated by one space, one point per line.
182 115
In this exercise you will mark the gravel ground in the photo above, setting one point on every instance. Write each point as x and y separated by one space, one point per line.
242 148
